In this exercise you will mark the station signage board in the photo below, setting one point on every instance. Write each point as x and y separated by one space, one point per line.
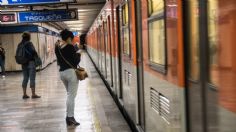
28 2
8 18
47 16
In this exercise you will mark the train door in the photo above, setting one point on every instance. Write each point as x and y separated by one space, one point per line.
103 52
100 47
129 66
104 33
194 91
119 72
110 53
210 65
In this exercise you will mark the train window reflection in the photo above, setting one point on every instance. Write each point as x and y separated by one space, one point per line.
125 12
155 6
157 42
193 41
125 30
213 41
222 59
126 41
156 27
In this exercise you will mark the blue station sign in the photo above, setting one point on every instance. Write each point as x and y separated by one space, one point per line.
25 2
47 16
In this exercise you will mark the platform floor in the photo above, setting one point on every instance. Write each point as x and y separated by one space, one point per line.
95 108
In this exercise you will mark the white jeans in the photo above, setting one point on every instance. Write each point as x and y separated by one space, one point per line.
70 81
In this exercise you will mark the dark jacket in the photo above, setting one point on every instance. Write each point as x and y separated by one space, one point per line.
2 53
69 53
30 47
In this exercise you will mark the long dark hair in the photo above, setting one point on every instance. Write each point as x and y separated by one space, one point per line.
65 34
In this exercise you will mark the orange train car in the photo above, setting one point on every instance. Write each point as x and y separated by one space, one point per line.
169 64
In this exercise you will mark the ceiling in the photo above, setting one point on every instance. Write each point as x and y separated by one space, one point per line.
87 11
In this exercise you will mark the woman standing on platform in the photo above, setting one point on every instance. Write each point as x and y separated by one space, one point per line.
66 56
29 68
2 60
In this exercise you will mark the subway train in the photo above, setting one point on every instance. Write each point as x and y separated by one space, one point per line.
169 64
43 37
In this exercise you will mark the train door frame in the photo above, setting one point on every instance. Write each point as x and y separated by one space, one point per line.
202 81
118 15
124 57
141 104
98 47
110 48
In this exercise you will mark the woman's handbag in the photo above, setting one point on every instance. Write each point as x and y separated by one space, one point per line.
80 72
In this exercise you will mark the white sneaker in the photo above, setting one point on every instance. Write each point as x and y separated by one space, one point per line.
3 76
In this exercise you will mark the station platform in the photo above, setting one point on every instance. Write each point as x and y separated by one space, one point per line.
95 109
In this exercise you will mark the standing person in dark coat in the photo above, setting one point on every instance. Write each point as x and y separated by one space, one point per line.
29 69
66 53
2 60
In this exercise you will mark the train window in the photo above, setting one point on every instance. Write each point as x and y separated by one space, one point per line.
156 27
213 41
126 41
125 12
155 7
125 29
157 42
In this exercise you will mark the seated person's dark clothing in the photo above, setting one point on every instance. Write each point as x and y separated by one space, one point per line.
69 53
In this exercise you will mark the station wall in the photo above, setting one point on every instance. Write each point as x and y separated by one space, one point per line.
42 38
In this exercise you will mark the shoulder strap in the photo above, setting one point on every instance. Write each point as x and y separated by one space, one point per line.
59 50
24 44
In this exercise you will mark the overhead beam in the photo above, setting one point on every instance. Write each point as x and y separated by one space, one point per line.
53 6
86 7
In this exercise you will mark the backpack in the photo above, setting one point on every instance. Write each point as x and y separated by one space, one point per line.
22 54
